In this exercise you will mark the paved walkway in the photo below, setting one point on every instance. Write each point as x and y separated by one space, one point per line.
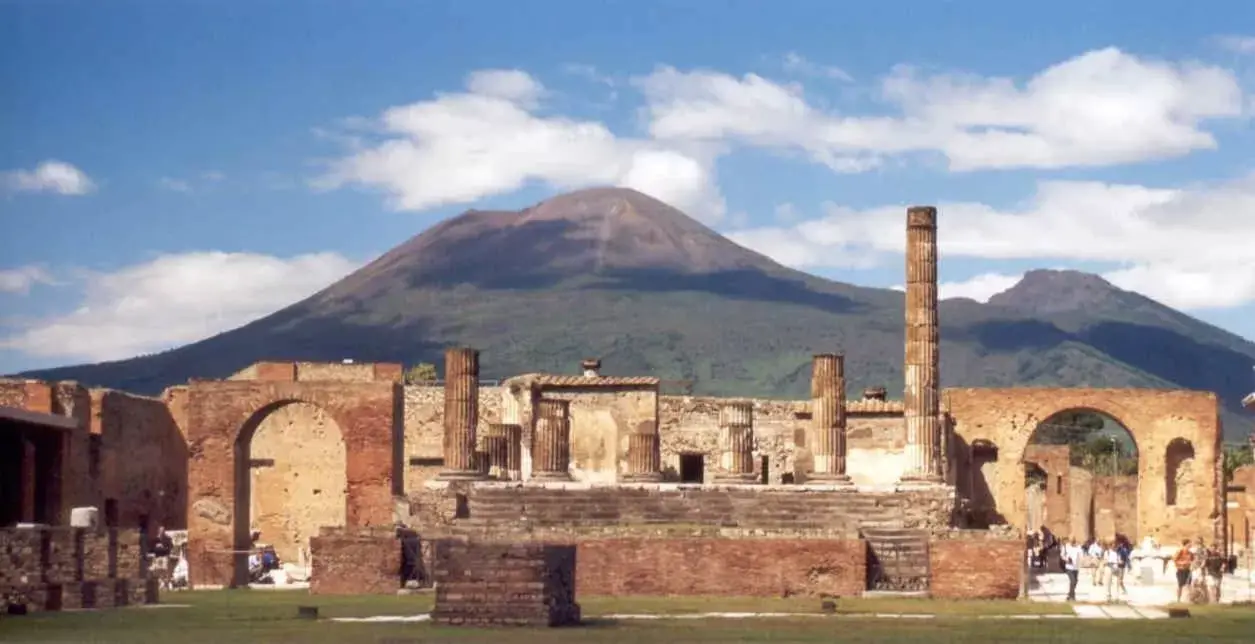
1053 587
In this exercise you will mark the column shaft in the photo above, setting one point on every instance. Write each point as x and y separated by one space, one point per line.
828 424
921 393
736 442
644 457
461 413
551 443
496 447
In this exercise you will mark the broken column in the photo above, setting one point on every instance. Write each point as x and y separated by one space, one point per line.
461 413
828 428
736 443
922 395
644 457
497 448
551 441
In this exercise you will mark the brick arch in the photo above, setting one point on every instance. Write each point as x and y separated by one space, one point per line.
1009 417
221 413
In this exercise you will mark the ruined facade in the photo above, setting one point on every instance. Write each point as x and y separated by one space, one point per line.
324 456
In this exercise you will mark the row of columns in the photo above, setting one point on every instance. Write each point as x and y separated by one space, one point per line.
551 440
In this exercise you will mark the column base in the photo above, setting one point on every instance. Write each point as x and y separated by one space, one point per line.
829 479
736 479
646 477
461 475
551 477
914 478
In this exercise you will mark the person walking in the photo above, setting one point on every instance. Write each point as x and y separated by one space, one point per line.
1115 573
1095 552
1183 560
1072 555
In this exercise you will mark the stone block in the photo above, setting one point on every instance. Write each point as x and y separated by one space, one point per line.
355 564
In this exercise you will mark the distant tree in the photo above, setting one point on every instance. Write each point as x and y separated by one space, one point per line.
421 373
1235 456
1104 457
1068 428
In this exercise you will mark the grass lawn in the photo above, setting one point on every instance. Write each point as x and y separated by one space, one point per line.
270 616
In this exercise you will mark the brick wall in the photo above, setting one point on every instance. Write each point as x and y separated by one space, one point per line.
355 564
975 566
728 567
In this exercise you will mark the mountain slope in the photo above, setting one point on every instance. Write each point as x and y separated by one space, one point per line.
617 274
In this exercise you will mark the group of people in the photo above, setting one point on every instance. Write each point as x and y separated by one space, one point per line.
1199 569
166 563
262 559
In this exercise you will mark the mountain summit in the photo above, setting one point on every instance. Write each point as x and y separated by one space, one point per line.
613 273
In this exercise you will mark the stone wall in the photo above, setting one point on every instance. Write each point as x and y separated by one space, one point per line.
1240 510
1007 418
222 417
601 420
347 563
424 429
144 459
505 584
1081 503
55 568
975 565
1115 508
71 483
298 482
722 567
875 445
1056 461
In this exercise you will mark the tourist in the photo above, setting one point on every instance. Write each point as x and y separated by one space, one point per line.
1183 560
1213 571
1095 552
1072 555
1115 572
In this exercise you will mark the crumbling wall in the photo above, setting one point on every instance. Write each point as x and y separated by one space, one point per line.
143 458
1007 418
222 417
424 429
56 568
297 477
1081 504
72 484
1115 508
355 563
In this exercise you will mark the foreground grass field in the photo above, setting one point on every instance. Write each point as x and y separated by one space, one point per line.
269 616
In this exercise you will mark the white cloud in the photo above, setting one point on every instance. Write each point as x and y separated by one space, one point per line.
795 63
980 287
1101 108
1187 247
176 299
20 280
50 176
458 148
1237 44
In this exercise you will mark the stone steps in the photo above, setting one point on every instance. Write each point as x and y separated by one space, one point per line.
898 559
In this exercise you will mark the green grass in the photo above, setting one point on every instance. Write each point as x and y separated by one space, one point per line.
269 616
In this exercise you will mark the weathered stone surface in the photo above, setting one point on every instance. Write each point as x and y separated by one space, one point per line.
1007 418
828 429
922 367
506 584
736 442
461 413
551 446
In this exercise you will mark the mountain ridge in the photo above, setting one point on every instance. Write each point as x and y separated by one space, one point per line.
614 273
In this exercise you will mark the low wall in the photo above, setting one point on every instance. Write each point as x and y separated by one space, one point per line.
727 567
54 568
975 565
355 564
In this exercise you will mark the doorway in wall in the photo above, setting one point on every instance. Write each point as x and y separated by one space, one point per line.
765 470
692 468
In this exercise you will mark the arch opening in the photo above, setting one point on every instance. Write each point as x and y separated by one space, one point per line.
1081 477
291 480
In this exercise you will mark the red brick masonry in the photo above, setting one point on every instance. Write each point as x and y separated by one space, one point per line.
712 566
347 564
975 568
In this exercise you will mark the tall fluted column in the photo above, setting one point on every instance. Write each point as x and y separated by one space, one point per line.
496 446
461 413
644 456
828 428
513 451
736 443
551 443
922 395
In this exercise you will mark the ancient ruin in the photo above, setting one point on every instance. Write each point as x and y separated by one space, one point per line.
829 495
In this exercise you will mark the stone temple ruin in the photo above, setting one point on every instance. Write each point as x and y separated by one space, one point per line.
654 494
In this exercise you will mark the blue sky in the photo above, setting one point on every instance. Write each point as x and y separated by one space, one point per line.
174 169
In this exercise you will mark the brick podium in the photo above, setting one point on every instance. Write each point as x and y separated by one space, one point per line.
498 584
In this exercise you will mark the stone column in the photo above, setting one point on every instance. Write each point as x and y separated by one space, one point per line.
921 394
497 448
736 443
551 442
461 413
644 456
828 428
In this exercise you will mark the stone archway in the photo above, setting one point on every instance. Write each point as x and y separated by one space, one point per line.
293 455
1155 418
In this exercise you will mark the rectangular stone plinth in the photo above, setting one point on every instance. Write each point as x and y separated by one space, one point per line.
499 584
356 564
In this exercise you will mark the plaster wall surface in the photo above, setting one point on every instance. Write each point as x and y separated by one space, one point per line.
424 429
143 459
298 482
1006 418
601 421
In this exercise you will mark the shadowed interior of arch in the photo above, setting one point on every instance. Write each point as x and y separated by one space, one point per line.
1081 476
290 479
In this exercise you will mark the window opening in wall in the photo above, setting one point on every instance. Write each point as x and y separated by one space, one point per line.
765 470
1058 484
692 468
